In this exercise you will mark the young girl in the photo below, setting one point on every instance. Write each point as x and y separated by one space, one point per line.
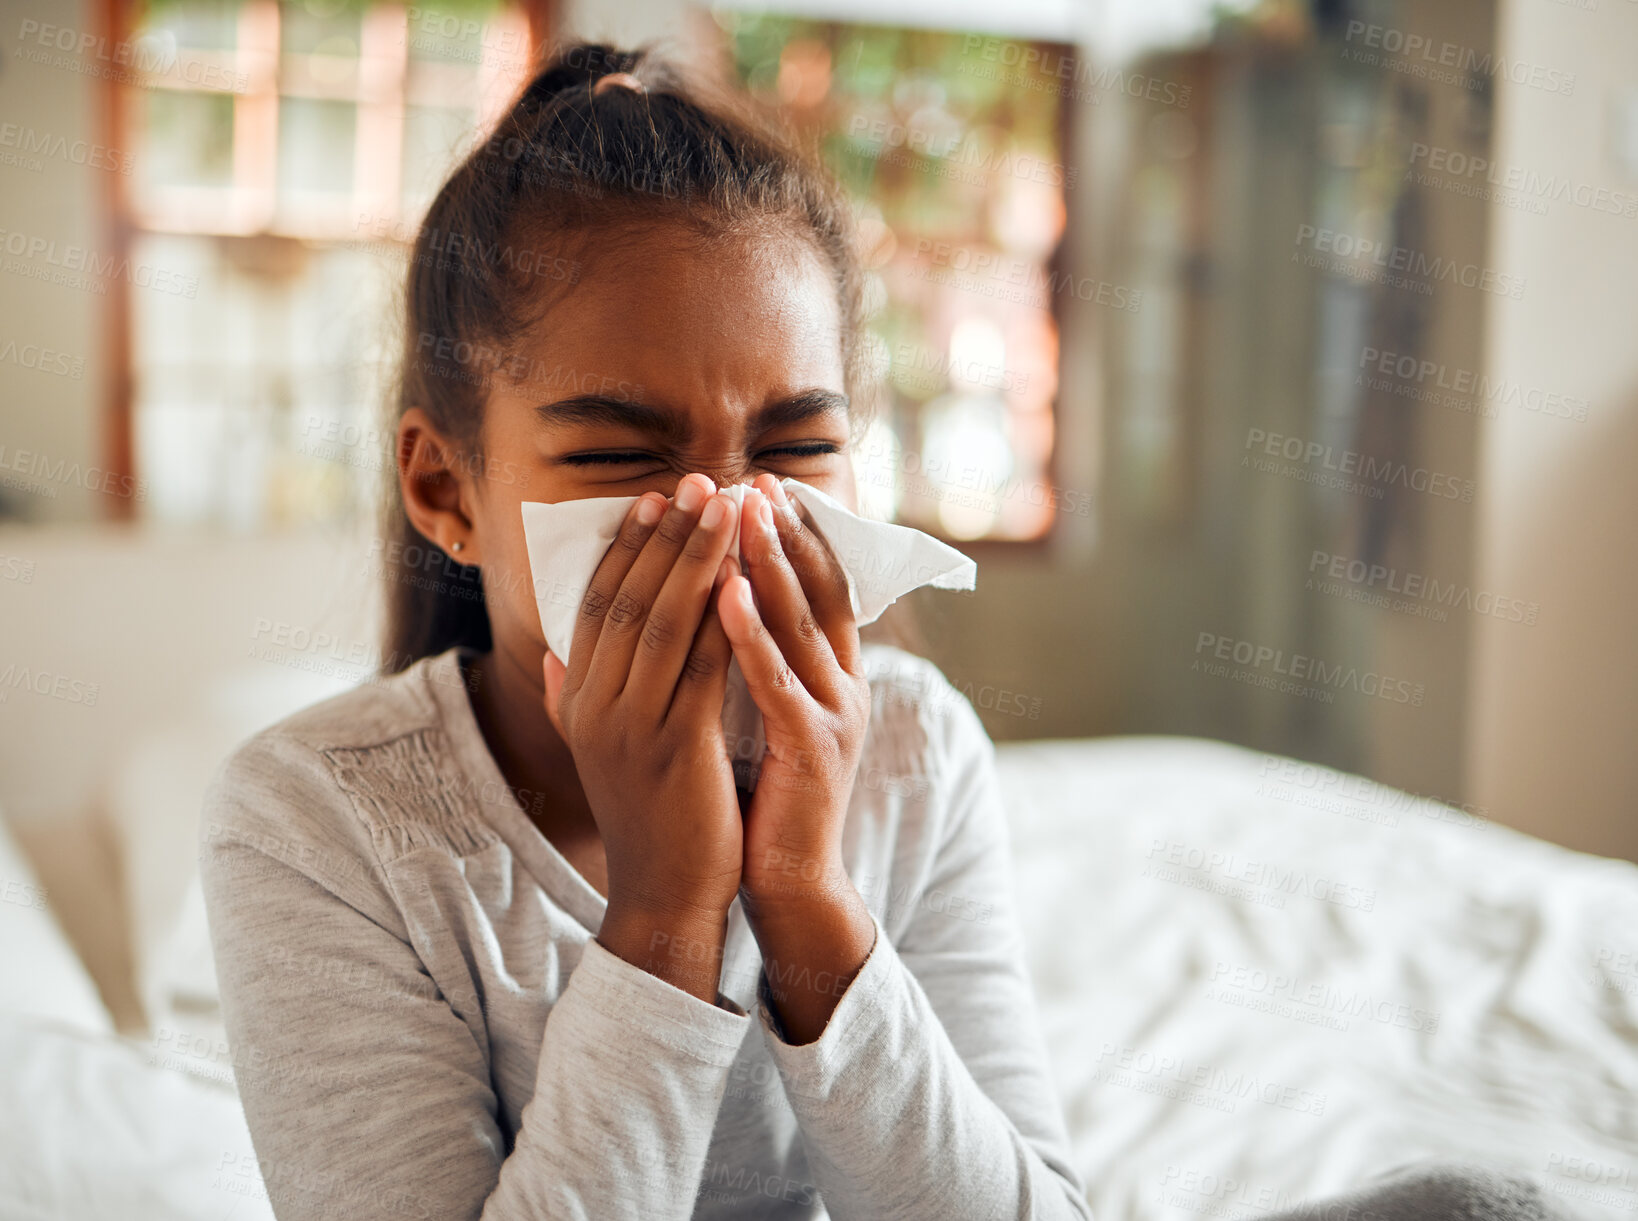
499 937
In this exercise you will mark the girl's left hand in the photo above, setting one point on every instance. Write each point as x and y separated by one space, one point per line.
800 657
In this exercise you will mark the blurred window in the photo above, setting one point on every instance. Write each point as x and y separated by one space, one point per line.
286 152
954 147
288 149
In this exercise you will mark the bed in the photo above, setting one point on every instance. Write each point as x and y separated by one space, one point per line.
1263 980
1260 981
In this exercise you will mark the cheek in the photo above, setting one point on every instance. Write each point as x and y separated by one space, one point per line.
511 475
843 488
837 482
508 588
509 595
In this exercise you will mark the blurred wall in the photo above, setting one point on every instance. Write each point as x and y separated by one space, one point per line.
1555 706
126 634
46 416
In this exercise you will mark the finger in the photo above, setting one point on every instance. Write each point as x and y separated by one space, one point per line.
703 684
772 683
628 543
628 611
782 603
668 635
823 579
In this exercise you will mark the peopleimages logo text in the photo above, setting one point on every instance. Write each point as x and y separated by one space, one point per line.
1303 669
1376 471
1415 265
1437 53
70 258
1416 585
128 61
1458 165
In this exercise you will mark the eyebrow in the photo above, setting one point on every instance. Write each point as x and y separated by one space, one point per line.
674 425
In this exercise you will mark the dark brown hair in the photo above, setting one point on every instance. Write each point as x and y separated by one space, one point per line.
568 169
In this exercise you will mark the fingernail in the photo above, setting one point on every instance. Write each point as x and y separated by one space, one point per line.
649 510
778 494
767 517
714 512
689 496
742 591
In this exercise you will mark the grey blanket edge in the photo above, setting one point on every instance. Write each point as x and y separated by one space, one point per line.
1434 1190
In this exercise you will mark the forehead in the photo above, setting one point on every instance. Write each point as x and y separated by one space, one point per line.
720 323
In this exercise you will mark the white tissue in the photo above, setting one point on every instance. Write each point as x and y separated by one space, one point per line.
883 562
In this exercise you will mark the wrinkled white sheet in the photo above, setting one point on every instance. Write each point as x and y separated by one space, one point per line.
96 1127
1262 981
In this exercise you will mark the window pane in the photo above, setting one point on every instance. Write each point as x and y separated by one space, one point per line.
260 409
199 24
187 139
323 27
315 148
463 33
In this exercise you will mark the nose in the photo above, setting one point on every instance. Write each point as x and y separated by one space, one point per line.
721 478
726 477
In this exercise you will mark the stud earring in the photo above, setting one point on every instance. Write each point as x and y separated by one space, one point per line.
457 546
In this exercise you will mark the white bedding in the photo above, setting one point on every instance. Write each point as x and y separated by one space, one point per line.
1453 988
1449 988
101 1128
40 974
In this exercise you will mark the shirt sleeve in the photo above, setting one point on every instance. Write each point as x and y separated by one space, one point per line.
366 1093
927 1096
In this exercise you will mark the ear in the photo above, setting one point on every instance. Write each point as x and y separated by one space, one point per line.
435 495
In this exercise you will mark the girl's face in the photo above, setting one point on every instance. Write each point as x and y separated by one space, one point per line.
667 357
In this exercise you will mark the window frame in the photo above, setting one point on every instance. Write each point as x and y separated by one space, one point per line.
249 206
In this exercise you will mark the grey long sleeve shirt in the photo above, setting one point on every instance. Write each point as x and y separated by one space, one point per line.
423 1025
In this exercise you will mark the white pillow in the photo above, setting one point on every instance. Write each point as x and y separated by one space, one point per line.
40 974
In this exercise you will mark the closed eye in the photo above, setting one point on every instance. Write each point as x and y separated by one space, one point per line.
605 458
810 449
627 457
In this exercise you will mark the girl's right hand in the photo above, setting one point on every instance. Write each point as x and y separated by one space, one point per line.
640 708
